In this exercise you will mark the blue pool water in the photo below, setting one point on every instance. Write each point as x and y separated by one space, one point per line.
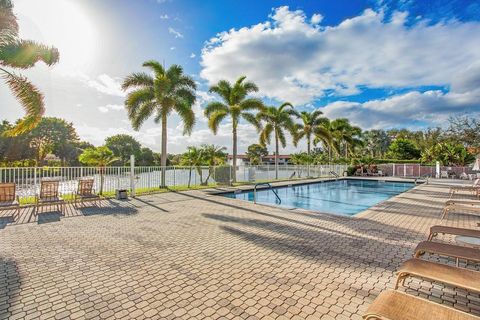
345 197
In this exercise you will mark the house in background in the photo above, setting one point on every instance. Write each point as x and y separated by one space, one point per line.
243 160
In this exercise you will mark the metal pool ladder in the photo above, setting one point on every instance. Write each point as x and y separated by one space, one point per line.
333 173
269 187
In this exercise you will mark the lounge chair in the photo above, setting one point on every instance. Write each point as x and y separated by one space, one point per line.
444 174
435 230
395 305
85 192
463 206
453 276
449 250
359 172
8 199
474 188
49 195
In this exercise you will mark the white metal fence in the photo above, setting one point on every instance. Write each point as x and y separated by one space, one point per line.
145 179
418 170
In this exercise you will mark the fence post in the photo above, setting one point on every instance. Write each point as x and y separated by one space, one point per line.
393 173
132 175
174 177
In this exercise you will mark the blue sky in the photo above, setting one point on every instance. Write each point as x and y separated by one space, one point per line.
382 64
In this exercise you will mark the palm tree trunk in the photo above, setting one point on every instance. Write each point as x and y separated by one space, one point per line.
163 156
308 145
276 156
189 176
234 162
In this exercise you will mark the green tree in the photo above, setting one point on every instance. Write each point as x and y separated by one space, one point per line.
54 135
345 136
16 53
448 154
376 142
277 120
312 124
100 157
147 157
192 158
213 156
122 146
236 104
255 153
167 91
403 149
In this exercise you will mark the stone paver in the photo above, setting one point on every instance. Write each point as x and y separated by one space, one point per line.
196 256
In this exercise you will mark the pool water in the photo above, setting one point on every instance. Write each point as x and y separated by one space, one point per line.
345 197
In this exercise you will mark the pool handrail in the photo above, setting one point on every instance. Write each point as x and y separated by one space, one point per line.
269 187
333 173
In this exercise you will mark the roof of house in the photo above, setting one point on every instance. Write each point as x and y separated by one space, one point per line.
270 156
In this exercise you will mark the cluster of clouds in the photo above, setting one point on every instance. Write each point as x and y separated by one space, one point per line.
294 58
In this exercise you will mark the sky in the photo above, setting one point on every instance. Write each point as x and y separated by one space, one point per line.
380 63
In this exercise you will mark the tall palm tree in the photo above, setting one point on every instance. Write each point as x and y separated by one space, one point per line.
325 135
236 104
16 53
276 121
312 124
345 135
159 95
213 156
193 158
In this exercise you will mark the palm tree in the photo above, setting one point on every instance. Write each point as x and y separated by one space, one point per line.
276 121
345 135
100 157
16 53
235 104
324 135
167 91
312 124
193 158
213 156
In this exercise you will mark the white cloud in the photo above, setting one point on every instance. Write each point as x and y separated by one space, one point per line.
105 84
316 18
433 107
164 17
175 32
111 107
295 60
172 48
192 55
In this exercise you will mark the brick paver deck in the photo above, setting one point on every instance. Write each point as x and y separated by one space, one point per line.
192 255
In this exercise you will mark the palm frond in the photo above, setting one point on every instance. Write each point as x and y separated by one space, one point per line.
137 79
143 112
266 134
136 98
281 137
214 107
252 119
184 110
8 20
223 88
215 119
285 105
25 53
31 100
251 104
156 67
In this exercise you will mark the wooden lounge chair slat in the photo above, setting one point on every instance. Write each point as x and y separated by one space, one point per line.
434 230
446 249
456 277
395 305
8 198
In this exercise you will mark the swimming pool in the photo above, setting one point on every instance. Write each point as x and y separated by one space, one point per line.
345 197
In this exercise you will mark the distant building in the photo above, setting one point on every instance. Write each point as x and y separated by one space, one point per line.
243 160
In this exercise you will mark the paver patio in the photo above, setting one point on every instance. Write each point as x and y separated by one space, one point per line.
192 255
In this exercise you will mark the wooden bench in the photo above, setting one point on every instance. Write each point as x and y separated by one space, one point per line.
395 305
449 250
456 277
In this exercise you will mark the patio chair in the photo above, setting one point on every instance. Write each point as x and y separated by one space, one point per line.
444 174
49 195
435 230
359 172
85 192
396 305
474 188
8 199
449 250
463 206
453 276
